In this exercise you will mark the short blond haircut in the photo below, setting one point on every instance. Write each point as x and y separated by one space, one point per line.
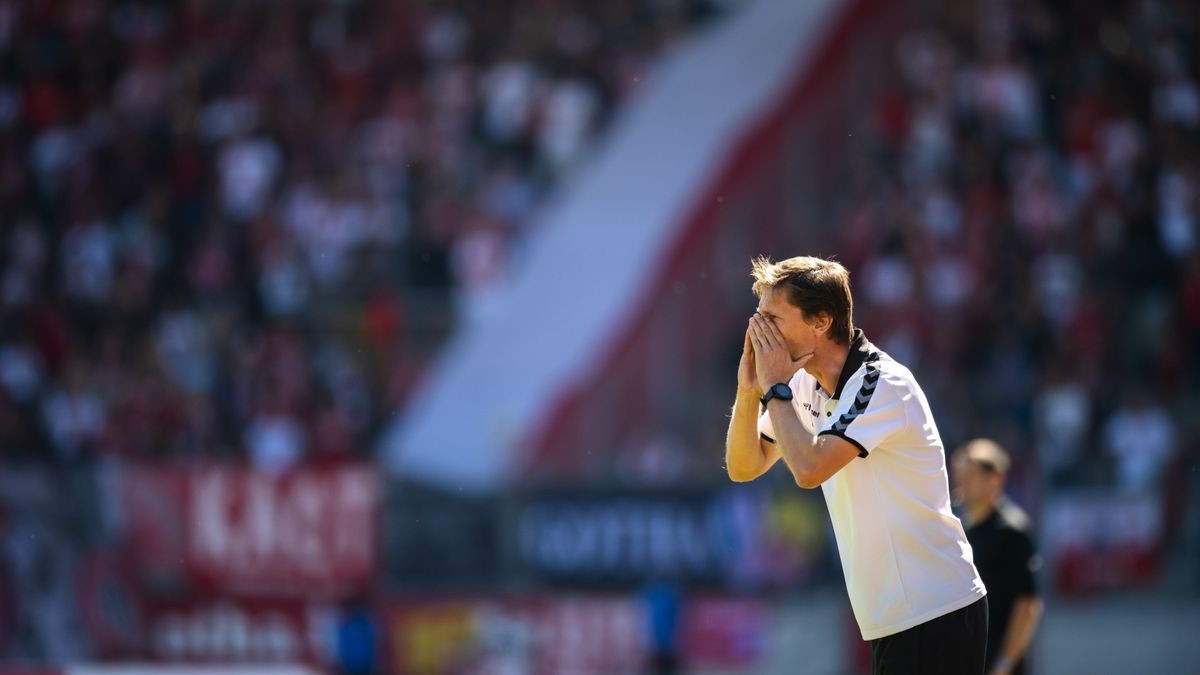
814 285
986 454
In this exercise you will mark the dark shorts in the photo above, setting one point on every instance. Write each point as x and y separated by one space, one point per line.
952 644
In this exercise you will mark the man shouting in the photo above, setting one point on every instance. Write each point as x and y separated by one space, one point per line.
843 415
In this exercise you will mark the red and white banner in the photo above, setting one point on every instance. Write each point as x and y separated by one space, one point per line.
1098 541
235 530
724 633
228 630
307 531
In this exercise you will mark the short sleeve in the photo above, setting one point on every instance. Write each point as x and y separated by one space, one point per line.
870 412
765 429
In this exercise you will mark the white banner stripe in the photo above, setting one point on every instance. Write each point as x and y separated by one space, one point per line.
498 377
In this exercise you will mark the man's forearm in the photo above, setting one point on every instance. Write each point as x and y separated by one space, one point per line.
744 457
795 443
1021 626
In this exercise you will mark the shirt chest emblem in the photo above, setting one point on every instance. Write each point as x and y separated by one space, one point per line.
817 411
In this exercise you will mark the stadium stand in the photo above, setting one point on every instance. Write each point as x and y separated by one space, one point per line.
244 244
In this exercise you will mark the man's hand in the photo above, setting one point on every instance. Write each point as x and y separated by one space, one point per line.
772 362
747 381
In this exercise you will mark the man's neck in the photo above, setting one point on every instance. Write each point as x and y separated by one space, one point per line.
977 513
826 366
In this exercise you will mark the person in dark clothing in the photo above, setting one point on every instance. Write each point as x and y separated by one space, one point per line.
999 532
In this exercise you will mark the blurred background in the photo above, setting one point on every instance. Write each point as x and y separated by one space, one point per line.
399 336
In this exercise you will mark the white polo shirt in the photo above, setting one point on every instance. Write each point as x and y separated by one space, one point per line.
904 553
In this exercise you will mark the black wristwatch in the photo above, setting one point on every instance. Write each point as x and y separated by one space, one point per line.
778 390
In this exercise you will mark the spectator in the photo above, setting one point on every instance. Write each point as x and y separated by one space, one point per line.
1004 552
1141 438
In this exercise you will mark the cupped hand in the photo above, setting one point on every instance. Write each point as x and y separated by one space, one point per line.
773 362
747 377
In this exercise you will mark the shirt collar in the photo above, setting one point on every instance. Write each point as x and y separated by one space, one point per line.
860 349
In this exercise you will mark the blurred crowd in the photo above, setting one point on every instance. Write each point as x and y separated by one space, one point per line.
1022 230
240 228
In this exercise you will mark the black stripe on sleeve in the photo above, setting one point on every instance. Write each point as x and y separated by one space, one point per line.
862 452
766 437
861 399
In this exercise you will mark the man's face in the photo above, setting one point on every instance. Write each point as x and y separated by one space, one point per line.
798 334
972 484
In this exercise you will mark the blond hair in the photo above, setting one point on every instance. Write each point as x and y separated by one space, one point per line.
814 285
986 454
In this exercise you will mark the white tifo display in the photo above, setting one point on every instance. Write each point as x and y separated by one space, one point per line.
615 221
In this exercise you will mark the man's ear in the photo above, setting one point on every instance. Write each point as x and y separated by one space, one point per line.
822 322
